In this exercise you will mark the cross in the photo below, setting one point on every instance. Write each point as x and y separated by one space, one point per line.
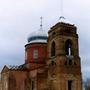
61 10
41 22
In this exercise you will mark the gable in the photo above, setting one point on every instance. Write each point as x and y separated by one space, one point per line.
5 69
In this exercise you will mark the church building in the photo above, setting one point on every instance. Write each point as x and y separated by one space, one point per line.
51 62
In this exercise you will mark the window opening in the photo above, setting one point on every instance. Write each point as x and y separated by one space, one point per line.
75 63
53 33
70 85
70 62
53 63
25 55
69 51
33 85
35 54
53 49
68 47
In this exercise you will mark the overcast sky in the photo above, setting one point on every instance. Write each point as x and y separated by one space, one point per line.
18 18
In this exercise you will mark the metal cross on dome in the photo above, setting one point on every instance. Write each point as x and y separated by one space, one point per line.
41 22
61 10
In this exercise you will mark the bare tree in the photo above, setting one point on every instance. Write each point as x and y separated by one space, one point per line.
87 84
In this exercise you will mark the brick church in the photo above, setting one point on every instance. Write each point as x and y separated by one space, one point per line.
51 62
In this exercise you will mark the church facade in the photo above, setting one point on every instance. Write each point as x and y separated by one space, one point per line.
51 62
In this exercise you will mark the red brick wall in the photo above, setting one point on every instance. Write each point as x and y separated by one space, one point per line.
42 52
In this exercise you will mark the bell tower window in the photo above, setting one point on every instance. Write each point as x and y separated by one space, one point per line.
53 49
68 48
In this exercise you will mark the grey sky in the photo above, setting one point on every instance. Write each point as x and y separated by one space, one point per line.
20 17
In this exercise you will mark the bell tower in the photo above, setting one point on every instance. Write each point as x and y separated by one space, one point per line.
64 67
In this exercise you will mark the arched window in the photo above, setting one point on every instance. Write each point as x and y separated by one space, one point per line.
53 49
68 47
